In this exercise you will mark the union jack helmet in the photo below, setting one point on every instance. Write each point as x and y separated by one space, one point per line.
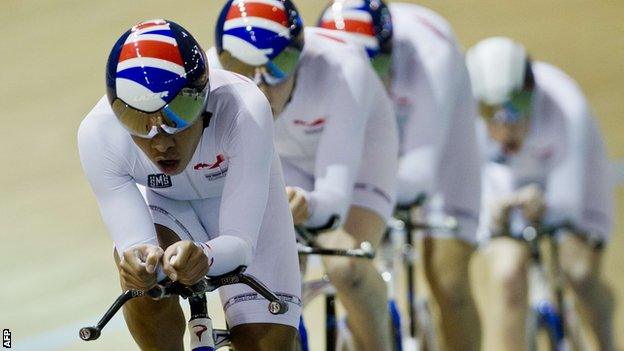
157 78
367 22
261 39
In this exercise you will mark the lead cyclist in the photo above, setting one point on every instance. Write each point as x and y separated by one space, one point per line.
415 52
181 160
335 134
545 158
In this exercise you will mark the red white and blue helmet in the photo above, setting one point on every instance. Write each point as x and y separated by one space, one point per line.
368 23
157 78
262 39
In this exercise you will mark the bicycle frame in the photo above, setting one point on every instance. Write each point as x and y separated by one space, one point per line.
546 297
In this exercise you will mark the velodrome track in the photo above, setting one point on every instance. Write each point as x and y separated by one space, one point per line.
55 256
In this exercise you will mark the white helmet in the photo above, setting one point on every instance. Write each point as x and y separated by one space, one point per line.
498 68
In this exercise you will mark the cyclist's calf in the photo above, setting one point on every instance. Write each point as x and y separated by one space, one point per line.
580 263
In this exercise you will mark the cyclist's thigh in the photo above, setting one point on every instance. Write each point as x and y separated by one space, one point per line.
275 264
507 258
578 259
263 336
446 260
178 216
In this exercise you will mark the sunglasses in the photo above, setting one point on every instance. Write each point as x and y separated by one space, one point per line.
382 63
180 113
273 72
511 112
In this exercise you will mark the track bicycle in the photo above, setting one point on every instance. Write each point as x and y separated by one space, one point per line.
550 312
203 337
398 255
337 334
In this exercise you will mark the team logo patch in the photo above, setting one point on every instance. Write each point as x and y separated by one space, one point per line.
158 181
150 71
216 164
257 30
214 170
311 127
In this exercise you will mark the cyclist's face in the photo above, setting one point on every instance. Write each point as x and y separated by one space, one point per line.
510 136
279 94
171 153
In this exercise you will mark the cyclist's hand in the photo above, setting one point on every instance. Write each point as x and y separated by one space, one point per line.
138 266
185 262
531 200
298 205
501 211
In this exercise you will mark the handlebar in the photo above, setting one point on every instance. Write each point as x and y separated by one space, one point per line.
307 235
167 288
364 251
306 242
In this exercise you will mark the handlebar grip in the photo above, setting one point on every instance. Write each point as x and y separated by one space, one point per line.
90 333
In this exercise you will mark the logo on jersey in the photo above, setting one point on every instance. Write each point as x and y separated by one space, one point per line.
545 154
150 72
311 127
217 163
158 181
260 27
216 170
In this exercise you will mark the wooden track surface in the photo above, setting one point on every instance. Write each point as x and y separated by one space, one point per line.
55 264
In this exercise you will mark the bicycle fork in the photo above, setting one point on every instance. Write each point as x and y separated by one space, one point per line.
200 325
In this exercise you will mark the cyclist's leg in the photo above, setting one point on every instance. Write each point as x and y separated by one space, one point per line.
263 336
581 267
359 285
458 184
360 288
446 263
276 265
507 296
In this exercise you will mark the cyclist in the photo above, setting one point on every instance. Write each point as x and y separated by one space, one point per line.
415 52
200 144
335 134
546 158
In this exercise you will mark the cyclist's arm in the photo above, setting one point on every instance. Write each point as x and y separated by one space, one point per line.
248 143
579 187
427 126
122 206
340 149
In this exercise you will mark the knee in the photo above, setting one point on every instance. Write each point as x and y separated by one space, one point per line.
511 282
580 276
451 288
347 273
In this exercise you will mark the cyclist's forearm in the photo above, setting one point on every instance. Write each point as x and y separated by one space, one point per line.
413 177
225 253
